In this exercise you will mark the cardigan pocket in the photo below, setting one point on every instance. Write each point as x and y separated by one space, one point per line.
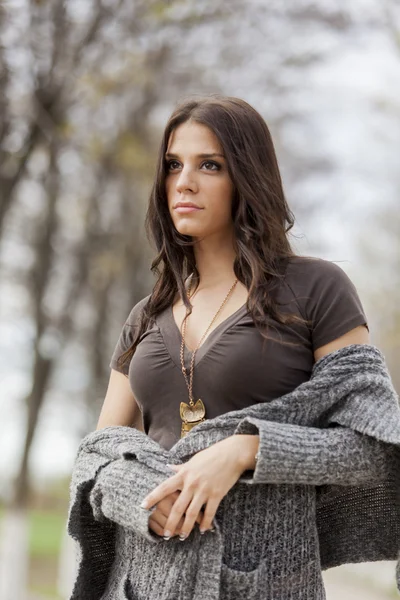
262 583
237 585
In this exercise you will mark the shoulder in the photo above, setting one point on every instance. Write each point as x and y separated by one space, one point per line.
327 297
308 270
135 313
126 336
312 279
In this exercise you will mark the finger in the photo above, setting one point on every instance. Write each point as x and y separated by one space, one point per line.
191 515
175 467
165 505
173 497
163 510
159 519
198 520
178 511
165 488
209 514
156 527
159 530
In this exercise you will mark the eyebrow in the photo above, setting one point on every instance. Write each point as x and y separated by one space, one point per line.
206 155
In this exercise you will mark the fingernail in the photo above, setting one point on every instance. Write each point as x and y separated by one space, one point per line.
202 531
143 504
167 535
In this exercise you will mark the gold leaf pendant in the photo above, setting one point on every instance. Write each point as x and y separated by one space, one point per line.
191 415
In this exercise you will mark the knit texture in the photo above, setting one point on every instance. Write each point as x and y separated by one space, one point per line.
325 491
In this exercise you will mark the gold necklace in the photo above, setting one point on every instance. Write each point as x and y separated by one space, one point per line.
194 413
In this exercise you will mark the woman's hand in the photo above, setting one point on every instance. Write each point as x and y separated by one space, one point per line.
159 516
203 480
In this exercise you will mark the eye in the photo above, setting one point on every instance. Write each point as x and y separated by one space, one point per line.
210 162
170 164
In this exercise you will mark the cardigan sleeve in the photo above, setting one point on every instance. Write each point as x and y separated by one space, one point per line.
118 491
313 456
112 474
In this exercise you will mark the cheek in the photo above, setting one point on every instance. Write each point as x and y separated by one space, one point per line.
220 212
168 191
222 201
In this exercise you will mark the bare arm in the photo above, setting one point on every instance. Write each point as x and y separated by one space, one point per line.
120 406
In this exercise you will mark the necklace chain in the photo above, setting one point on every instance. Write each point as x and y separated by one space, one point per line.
189 383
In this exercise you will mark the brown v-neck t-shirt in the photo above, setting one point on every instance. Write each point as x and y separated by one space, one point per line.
234 367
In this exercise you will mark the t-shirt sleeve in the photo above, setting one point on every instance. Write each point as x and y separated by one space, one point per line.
333 303
126 337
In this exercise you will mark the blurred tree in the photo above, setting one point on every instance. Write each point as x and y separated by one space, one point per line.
383 284
86 143
383 255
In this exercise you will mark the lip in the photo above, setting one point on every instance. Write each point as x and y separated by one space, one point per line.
186 203
187 209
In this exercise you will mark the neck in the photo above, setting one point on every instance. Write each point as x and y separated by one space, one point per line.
214 260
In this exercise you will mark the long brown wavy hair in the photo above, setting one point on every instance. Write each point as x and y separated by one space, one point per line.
261 215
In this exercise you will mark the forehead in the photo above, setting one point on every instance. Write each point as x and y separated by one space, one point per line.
192 139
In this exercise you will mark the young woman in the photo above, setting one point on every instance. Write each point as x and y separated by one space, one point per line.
235 317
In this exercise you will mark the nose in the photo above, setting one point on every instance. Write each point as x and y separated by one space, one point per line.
186 181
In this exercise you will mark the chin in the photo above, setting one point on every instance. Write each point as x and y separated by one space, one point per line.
188 230
185 227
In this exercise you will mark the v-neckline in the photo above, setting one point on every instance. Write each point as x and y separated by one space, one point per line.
171 308
172 335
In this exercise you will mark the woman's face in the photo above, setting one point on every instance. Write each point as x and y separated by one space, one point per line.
197 172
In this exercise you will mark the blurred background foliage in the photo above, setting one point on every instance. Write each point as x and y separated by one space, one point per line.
85 91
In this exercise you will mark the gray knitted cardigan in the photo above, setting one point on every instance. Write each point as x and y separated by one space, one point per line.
325 491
